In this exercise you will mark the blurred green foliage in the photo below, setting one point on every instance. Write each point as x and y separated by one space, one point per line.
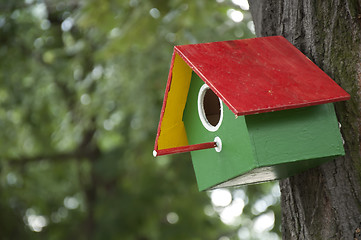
81 89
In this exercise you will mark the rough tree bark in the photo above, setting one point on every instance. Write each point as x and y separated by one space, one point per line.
325 202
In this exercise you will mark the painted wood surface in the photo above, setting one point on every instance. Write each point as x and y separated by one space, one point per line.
261 147
250 76
285 121
171 132
294 135
236 157
260 75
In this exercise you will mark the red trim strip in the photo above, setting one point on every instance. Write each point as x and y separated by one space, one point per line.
183 149
165 100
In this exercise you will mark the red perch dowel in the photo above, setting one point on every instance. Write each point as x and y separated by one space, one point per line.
183 149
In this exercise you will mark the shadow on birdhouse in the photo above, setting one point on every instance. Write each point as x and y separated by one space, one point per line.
256 109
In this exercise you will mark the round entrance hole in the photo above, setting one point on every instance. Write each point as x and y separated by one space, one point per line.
210 109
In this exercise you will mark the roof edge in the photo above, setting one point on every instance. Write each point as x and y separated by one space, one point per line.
292 106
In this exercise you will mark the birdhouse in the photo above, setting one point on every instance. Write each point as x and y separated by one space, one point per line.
255 110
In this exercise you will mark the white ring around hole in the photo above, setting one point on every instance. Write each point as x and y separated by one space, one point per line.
201 113
218 141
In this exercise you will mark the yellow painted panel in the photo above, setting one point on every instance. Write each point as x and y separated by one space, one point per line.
173 137
172 131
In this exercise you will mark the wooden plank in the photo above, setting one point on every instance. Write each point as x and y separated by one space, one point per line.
260 75
308 133
171 132
236 156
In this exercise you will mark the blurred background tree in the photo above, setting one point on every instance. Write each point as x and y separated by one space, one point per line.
81 89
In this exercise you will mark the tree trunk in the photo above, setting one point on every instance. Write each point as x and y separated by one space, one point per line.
325 202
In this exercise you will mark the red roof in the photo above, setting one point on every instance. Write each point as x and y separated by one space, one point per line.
260 75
